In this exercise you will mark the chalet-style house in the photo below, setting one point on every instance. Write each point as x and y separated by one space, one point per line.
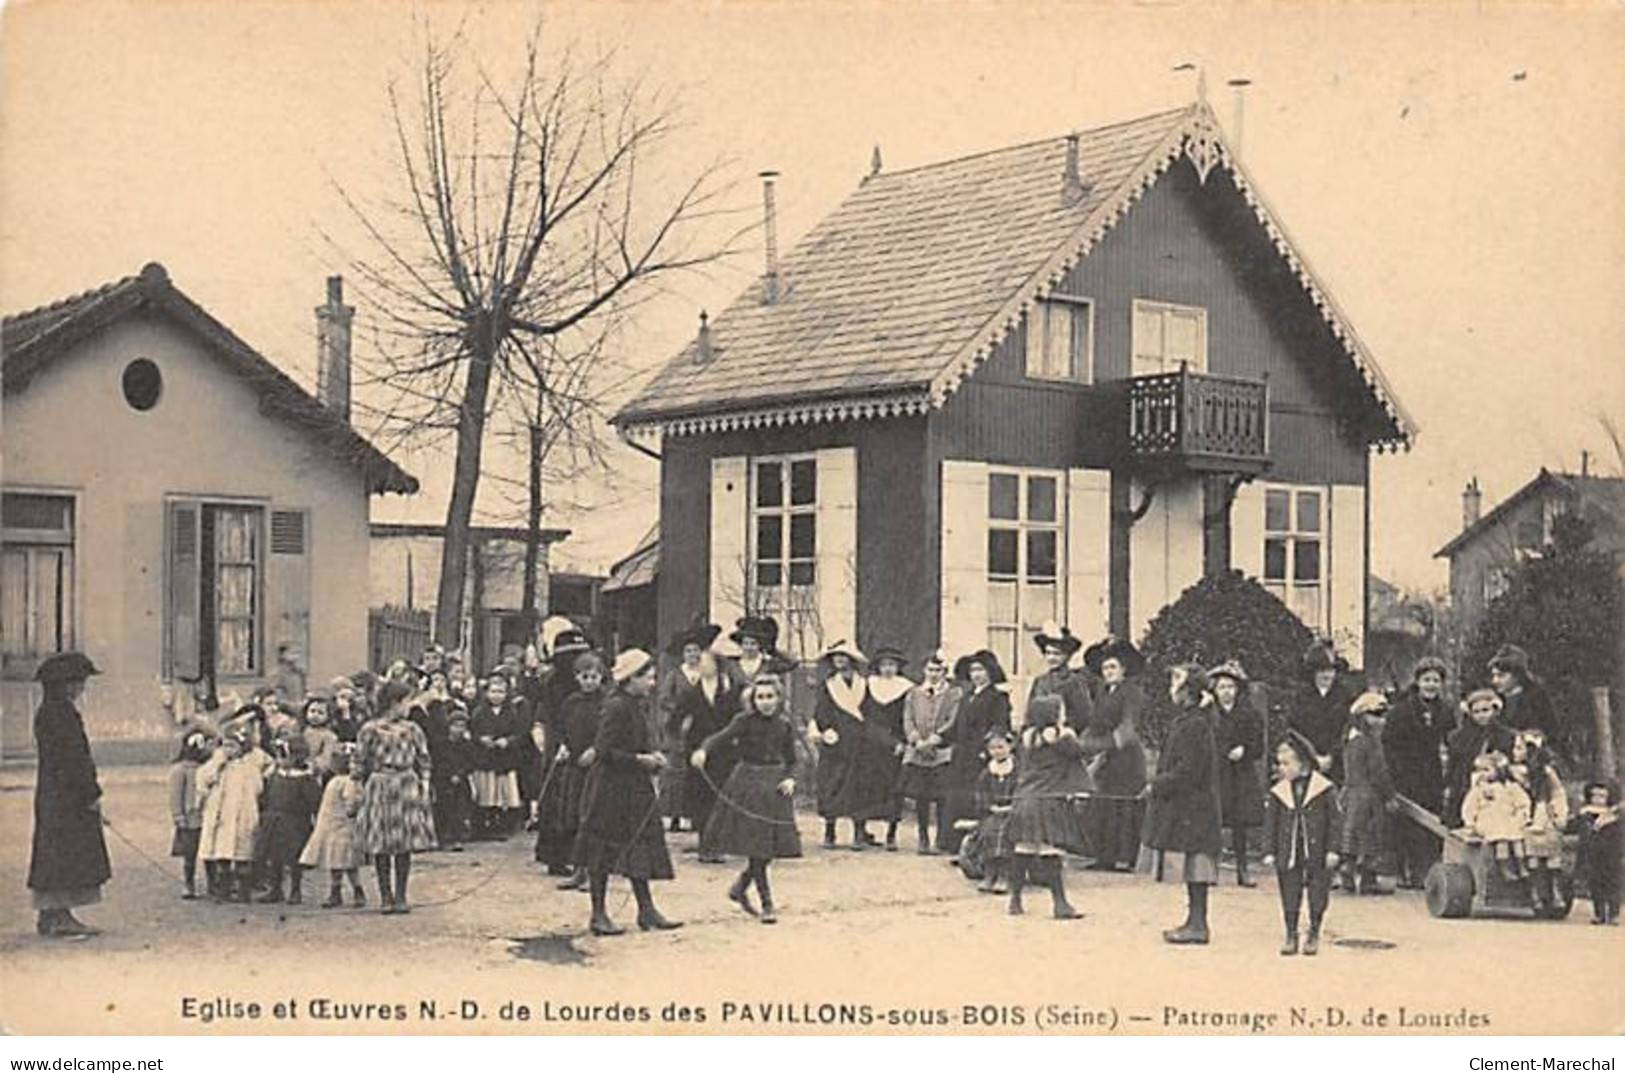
1054 381
175 505
1489 545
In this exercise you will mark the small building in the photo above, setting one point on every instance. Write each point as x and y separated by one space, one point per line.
1059 380
404 571
175 505
630 597
1484 553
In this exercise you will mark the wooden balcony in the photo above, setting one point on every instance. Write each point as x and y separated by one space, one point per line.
1194 421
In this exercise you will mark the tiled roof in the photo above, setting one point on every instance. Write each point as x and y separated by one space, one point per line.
30 340
889 302
1604 499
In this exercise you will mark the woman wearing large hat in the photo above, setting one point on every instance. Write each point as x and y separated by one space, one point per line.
1061 680
69 862
1111 740
678 799
1320 711
983 711
1239 732
1413 739
621 832
835 731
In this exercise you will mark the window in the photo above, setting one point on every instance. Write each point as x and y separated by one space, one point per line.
1294 550
1167 336
235 580
1024 557
142 384
1060 340
784 531
36 575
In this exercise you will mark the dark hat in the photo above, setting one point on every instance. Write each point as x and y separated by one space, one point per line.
1112 647
1320 657
1196 678
999 734
65 667
987 659
1230 668
1302 746
763 629
700 633
1513 660
1051 635
891 652
1430 663
570 642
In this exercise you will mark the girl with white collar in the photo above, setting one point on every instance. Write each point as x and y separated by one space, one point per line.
834 731
1302 821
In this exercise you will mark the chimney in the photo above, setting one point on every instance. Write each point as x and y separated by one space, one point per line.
703 353
770 224
1472 503
1240 86
1072 185
333 349
874 163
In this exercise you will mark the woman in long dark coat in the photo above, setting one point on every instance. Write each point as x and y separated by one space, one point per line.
984 710
835 730
1111 740
699 709
1320 712
1239 735
69 861
1413 742
1182 839
621 830
1061 679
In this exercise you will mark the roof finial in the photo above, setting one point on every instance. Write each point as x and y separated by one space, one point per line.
874 161
702 344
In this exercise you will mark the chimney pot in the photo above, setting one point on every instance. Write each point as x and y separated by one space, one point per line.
770 280
1472 502
333 349
1072 185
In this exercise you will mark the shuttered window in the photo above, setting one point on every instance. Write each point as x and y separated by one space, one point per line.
236 576
36 575
1168 336
1060 340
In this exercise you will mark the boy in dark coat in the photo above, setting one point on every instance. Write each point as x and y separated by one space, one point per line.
1368 796
1598 820
1301 826
1416 732
1239 734
1182 839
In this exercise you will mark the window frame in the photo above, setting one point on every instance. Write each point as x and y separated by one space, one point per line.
1288 586
71 589
1038 336
1163 309
1026 662
787 596
204 502
258 564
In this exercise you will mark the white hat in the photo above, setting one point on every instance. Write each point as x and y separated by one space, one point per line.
846 648
630 664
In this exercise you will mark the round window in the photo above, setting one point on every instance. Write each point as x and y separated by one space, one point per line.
143 383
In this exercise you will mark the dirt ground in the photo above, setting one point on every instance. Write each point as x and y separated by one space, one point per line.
867 942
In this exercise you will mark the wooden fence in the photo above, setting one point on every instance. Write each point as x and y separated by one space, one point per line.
395 633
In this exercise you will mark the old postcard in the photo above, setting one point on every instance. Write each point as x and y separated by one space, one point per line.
1064 519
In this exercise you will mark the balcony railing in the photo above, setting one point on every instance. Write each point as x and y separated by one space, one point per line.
1198 421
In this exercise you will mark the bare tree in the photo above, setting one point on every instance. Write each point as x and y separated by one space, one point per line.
523 221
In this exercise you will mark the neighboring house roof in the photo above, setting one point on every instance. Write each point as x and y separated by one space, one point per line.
1604 496
478 532
639 568
891 301
31 340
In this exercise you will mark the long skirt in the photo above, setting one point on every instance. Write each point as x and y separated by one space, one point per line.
1177 866
1111 827
496 789
395 816
699 796
993 836
751 818
559 818
621 830
1046 825
923 783
1365 828
65 897
332 847
185 842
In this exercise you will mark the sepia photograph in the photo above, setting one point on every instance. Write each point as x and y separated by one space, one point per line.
822 520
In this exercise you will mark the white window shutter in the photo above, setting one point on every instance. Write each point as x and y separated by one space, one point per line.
1347 571
837 544
962 626
287 579
730 565
1088 551
1247 530
1165 549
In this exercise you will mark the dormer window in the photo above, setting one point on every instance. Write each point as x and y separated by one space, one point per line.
1061 339
1167 336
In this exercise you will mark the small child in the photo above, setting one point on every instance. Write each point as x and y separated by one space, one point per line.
1368 795
1497 810
292 796
995 796
1534 770
448 783
1042 821
567 778
186 807
1599 849
230 783
1302 822
321 740
332 842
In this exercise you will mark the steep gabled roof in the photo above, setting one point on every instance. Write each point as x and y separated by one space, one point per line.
1604 498
893 299
29 341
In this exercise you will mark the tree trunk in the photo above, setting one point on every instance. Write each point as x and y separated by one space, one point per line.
448 610
533 534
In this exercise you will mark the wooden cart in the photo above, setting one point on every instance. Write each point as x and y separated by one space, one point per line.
1466 876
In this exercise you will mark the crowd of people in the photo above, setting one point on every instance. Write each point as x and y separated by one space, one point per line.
603 760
